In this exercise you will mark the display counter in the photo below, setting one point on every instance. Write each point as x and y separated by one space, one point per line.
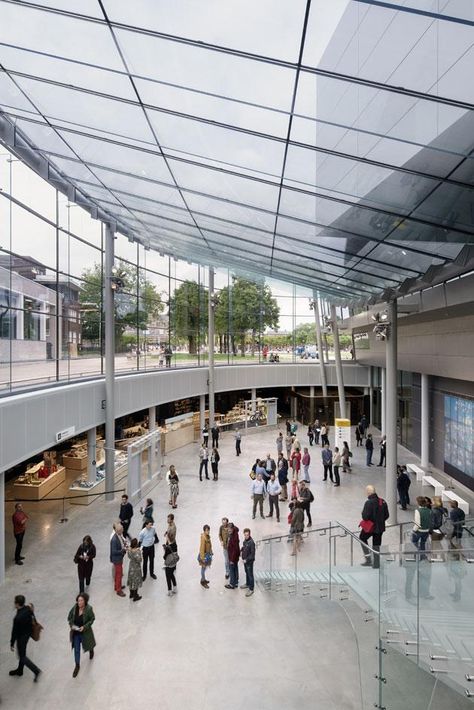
76 459
40 488
177 433
85 488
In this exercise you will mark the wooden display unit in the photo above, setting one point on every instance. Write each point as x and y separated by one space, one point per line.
75 493
37 491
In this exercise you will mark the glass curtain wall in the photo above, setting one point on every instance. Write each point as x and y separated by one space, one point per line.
52 293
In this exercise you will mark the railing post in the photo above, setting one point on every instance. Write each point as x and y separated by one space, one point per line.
329 550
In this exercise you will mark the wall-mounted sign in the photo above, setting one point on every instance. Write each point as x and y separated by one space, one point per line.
65 434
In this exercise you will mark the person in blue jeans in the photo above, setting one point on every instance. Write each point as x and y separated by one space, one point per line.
422 526
80 619
248 556
369 450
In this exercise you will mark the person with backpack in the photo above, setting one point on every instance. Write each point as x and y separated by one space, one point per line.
21 634
422 526
374 514
306 497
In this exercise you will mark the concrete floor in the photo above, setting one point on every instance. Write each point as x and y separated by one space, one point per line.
201 648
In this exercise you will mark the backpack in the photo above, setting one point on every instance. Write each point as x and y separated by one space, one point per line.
311 497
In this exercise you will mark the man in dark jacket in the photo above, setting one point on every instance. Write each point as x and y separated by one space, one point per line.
125 514
117 552
283 476
248 557
403 484
375 511
215 436
21 632
233 549
369 450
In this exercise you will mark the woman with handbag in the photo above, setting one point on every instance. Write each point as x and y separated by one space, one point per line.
346 458
215 458
84 558
134 579
147 511
80 620
171 559
205 554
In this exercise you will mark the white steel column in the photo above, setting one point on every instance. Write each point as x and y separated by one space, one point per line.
371 396
391 412
383 403
319 341
210 341
253 400
109 316
92 455
152 447
337 357
311 404
151 419
425 422
2 527
202 414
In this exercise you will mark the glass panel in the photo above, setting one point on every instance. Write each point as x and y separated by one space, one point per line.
228 24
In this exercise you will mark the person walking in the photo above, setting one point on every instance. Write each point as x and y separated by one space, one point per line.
147 512
248 558
295 463
422 526
403 485
117 553
80 620
438 515
203 461
19 520
171 559
223 538
170 531
215 436
317 431
283 476
383 450
21 634
358 435
297 526
258 494
205 554
274 490
306 498
369 450
125 515
324 435
346 456
288 426
363 425
288 444
238 439
279 443
336 462
233 550
310 434
172 480
305 460
457 517
147 540
326 456
215 458
84 559
134 579
205 436
270 467
374 514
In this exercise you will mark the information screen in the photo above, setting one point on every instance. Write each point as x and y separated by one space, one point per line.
459 434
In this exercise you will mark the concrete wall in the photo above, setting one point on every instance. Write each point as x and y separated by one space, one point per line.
29 422
440 344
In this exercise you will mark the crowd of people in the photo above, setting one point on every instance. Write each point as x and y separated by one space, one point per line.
284 479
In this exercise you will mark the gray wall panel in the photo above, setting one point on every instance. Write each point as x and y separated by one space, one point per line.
29 422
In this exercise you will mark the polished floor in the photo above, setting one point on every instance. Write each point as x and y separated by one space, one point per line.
203 649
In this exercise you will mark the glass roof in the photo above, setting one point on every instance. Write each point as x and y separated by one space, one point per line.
328 144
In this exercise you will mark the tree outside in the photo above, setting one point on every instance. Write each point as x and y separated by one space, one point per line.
188 314
246 309
132 313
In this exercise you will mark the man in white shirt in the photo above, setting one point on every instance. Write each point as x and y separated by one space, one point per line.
203 458
146 540
258 494
273 490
